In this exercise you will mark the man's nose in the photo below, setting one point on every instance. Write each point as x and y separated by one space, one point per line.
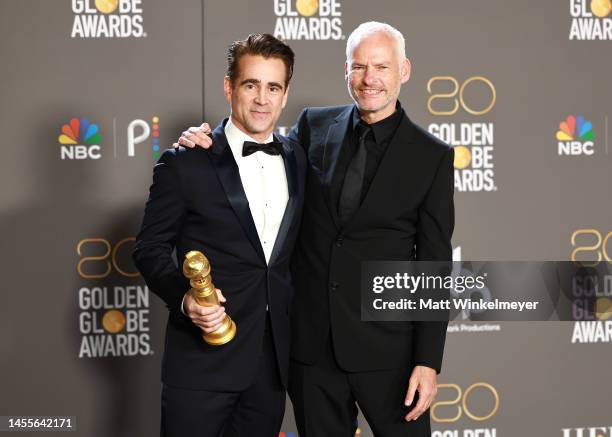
369 75
261 97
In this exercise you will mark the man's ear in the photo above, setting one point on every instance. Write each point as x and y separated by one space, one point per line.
285 96
227 89
346 70
406 68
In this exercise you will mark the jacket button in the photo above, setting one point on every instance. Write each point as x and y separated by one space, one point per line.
339 242
334 286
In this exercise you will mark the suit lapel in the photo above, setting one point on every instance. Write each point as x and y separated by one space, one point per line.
227 171
336 137
292 202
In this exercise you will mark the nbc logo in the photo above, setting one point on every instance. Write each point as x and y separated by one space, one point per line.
80 131
575 136
80 139
590 22
107 19
308 20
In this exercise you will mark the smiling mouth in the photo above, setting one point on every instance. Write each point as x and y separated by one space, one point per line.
260 113
370 92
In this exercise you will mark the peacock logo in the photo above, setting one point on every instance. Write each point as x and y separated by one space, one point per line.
79 139
71 132
572 125
575 136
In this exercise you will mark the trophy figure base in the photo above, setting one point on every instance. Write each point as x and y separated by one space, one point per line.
223 335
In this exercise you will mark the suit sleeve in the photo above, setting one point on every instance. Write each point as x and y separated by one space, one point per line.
433 243
164 213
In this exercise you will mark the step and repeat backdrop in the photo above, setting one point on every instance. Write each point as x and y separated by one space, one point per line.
92 92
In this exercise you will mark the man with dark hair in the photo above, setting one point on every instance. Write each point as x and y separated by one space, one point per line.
240 204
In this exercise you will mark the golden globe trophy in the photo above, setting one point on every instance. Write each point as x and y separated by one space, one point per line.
197 269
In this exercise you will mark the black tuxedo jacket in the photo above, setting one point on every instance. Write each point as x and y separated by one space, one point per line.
407 214
197 202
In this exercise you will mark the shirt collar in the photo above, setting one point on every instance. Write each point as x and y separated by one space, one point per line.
384 129
236 138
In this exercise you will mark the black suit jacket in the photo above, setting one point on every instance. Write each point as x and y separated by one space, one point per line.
407 214
197 202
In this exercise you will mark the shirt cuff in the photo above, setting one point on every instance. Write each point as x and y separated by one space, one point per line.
182 305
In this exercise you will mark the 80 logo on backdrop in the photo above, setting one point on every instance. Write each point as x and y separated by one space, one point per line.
591 245
113 302
473 141
106 257
478 402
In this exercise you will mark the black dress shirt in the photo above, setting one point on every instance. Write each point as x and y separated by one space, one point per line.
376 143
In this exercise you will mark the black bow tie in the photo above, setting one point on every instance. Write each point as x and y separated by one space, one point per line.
273 148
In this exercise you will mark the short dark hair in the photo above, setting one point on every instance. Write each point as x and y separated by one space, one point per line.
262 44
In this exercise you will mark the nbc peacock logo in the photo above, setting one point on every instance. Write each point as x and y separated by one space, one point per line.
79 140
575 137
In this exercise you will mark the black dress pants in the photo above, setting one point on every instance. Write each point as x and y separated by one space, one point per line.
324 400
255 412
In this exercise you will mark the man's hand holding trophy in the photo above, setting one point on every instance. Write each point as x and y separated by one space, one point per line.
202 302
